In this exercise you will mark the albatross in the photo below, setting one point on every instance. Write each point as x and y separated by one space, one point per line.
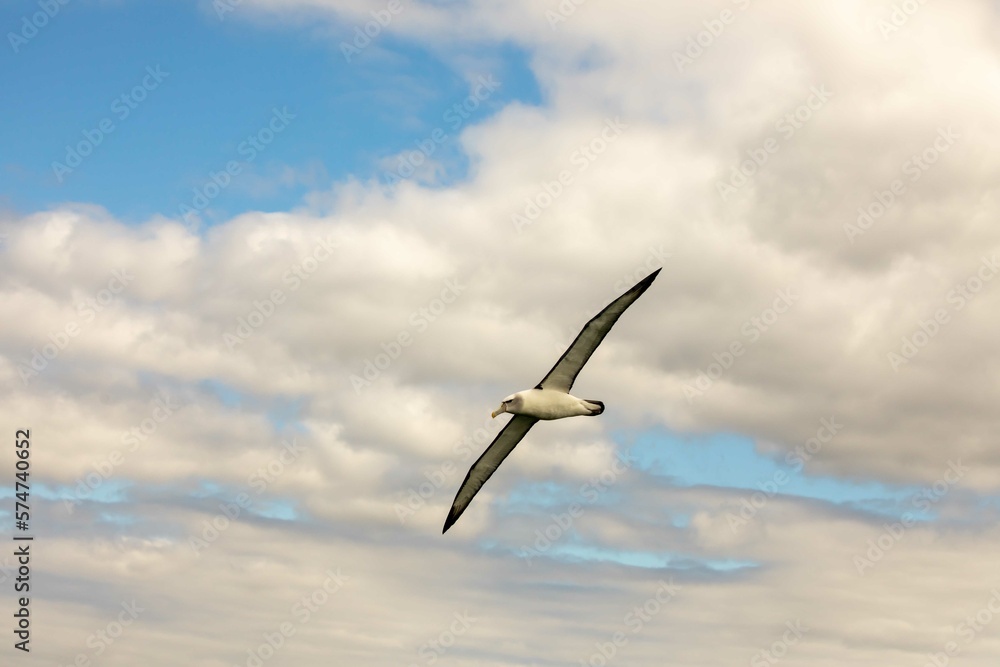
550 399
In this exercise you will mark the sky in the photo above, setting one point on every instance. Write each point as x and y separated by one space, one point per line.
268 266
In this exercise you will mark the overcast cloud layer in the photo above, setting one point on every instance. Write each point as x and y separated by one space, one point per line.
228 419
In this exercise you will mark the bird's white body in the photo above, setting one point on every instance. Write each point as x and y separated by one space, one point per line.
550 404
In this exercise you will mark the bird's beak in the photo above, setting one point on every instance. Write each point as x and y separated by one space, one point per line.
500 410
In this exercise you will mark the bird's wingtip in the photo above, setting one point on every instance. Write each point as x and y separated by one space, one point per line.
648 280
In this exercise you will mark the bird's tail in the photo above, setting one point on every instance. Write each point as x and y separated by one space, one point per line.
596 407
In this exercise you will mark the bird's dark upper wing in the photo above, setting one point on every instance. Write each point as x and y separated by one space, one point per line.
490 460
564 373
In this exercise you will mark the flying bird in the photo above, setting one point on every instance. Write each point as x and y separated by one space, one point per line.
550 399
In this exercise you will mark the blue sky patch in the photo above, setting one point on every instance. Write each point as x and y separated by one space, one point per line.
105 105
575 551
732 462
282 412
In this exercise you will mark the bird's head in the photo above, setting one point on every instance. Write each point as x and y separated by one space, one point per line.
511 404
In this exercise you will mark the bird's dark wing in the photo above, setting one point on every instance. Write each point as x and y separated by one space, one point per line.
490 460
564 373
